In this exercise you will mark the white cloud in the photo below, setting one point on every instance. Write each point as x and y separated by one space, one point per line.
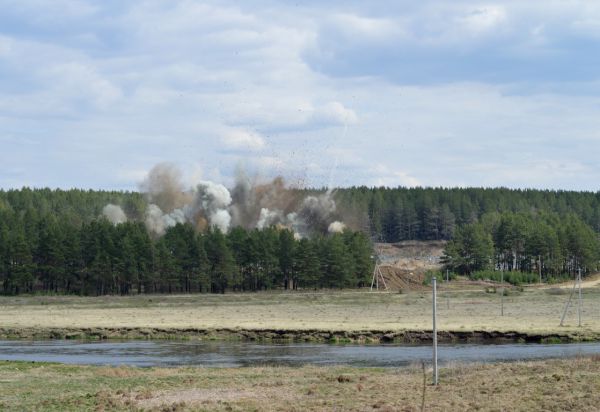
483 19
588 26
376 28
383 175
108 90
80 81
44 11
158 19
243 139
333 113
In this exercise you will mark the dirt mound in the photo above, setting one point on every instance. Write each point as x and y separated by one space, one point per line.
399 279
412 256
404 264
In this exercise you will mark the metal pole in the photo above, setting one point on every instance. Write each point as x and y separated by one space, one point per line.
562 319
579 304
447 295
502 292
435 354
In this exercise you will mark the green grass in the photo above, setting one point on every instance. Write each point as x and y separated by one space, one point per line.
531 310
572 384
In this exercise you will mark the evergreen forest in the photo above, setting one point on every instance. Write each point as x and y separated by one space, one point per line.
551 234
55 241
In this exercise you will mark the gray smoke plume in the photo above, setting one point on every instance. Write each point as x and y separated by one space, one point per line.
210 204
163 187
315 214
154 220
114 214
268 218
158 222
260 205
170 203
251 204
336 227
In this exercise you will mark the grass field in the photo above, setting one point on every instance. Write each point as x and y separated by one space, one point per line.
554 385
460 308
572 384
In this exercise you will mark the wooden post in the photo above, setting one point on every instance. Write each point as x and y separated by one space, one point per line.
373 280
382 278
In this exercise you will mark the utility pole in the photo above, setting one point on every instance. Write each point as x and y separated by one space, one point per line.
502 292
435 352
447 286
580 302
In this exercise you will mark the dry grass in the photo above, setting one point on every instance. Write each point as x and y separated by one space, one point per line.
532 311
549 385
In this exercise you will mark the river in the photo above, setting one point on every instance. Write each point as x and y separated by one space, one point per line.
239 354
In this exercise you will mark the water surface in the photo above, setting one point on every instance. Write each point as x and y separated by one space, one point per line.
237 354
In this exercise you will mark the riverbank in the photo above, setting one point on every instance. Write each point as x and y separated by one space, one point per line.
284 335
572 384
466 315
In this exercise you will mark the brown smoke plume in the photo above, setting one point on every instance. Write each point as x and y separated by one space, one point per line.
251 204
163 187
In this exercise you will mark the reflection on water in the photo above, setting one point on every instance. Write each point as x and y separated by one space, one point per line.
236 354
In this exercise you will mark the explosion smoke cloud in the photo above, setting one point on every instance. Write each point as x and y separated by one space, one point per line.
250 204
163 187
114 214
336 227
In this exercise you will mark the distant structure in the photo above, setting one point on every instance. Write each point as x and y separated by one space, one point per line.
378 276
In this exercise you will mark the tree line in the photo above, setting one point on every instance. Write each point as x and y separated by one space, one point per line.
543 243
397 214
51 256
386 214
55 240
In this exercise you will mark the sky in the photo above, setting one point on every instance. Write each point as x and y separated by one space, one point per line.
337 93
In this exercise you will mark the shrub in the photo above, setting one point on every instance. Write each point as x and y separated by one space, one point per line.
563 277
439 274
514 278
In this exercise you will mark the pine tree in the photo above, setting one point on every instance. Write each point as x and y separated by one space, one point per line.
470 250
306 264
286 253
222 263
338 263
